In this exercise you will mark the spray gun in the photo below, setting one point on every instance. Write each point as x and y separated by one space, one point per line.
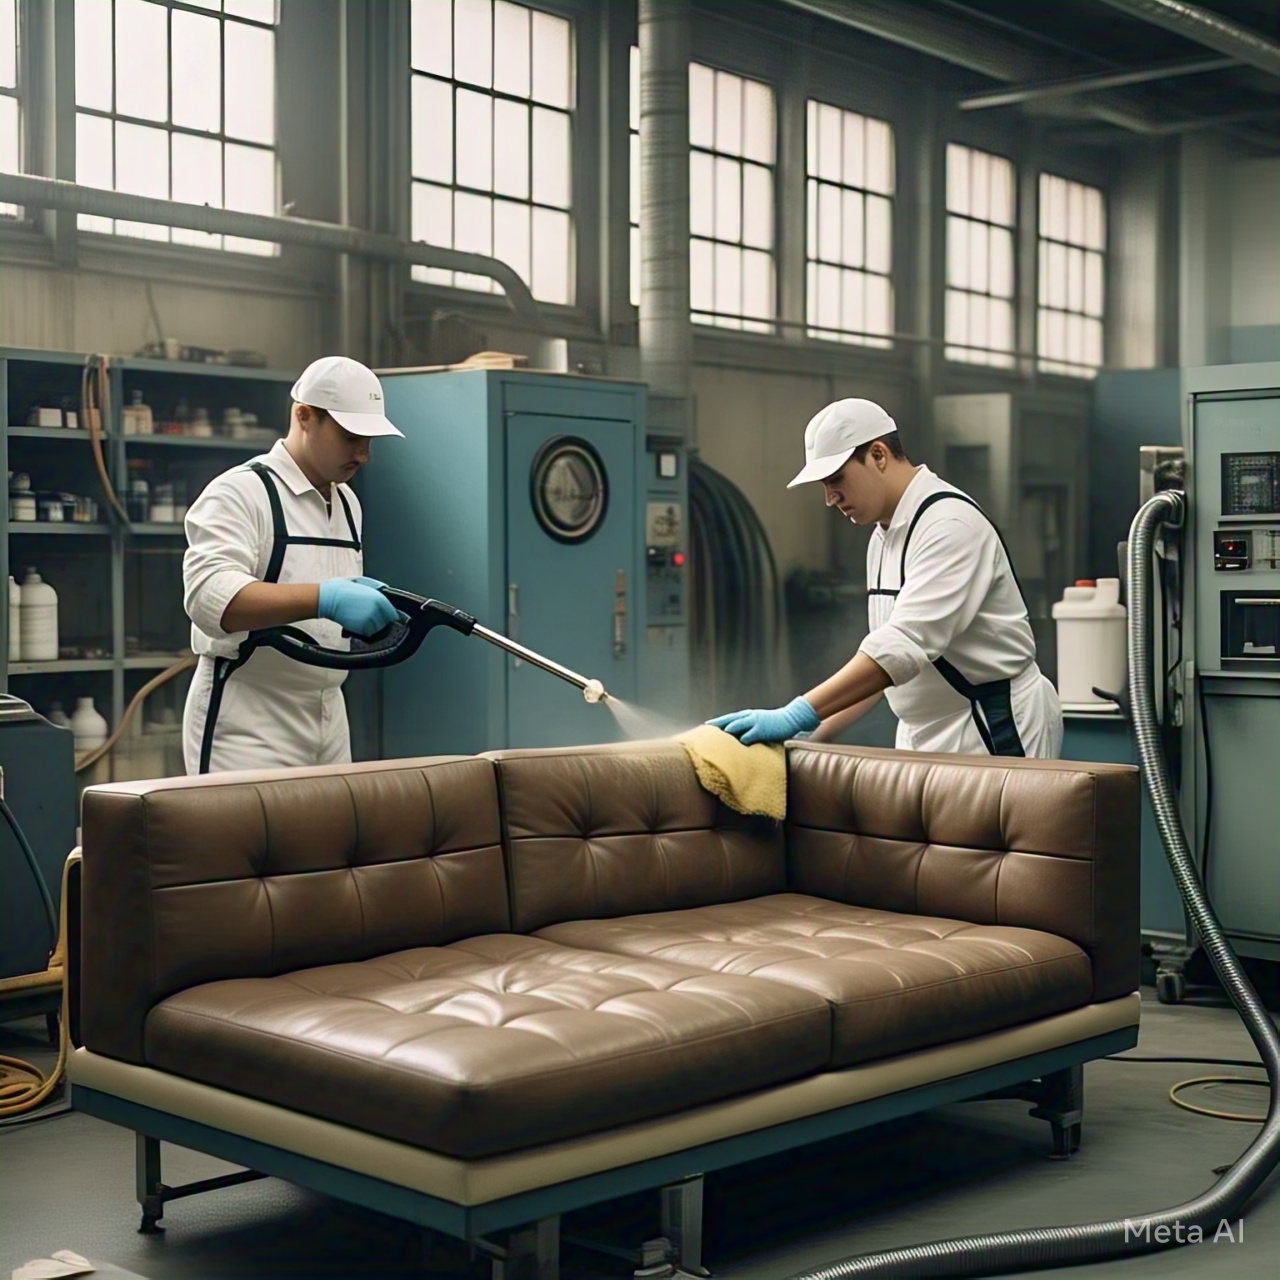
401 639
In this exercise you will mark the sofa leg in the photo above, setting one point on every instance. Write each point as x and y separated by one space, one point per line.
150 1188
1061 1103
682 1223
532 1253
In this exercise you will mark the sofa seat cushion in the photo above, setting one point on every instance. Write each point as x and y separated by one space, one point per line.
895 982
491 1044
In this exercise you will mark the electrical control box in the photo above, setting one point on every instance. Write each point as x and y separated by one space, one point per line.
1231 631
664 657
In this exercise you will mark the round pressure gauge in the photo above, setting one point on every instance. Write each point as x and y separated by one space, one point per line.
569 489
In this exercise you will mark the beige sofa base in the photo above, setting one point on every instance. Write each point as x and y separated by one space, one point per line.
167 1106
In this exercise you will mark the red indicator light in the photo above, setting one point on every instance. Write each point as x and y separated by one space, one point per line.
678 559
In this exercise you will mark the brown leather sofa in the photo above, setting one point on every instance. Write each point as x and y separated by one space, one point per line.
478 992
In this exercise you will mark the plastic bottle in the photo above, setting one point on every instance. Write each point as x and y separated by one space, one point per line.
39 619
136 417
15 621
58 716
88 726
1091 641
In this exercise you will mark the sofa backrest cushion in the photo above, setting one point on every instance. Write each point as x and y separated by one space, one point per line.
192 880
1041 844
594 832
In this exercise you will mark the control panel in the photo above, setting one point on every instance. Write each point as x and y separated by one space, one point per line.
1237 550
664 538
1235 493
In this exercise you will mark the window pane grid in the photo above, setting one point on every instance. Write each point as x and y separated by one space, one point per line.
849 161
732 273
492 88
981 220
177 101
10 102
731 201
1071 277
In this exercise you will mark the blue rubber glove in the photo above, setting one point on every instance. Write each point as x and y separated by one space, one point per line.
356 604
777 725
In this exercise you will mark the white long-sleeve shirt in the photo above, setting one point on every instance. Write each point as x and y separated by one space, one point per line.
959 601
230 539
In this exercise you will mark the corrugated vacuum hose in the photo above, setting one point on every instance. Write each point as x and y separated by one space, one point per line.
1094 1241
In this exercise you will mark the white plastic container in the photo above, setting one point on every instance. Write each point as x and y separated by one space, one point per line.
39 619
88 726
15 621
1091 641
57 716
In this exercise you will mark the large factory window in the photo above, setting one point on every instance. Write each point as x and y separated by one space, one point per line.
178 101
849 237
731 164
10 107
731 184
1073 240
980 275
492 100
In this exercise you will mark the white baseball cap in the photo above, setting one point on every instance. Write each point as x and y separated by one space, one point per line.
835 432
349 392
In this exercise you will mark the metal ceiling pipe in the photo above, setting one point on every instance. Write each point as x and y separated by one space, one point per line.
52 193
666 331
1206 28
962 44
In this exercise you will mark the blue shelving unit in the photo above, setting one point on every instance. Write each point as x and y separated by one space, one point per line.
101 597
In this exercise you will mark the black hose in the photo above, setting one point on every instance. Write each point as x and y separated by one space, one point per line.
1094 1241
735 597
50 912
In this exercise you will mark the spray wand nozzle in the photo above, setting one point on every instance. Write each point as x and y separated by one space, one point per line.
401 639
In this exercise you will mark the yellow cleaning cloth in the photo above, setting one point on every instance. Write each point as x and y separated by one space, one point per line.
749 779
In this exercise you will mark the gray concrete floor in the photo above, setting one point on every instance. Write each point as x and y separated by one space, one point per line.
67 1182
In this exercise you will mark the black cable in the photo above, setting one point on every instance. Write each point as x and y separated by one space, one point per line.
46 900
1208 783
1212 1062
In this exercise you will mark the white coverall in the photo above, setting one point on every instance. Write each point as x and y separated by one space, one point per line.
958 602
274 712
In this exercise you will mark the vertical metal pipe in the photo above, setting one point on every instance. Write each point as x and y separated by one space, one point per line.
344 174
666 335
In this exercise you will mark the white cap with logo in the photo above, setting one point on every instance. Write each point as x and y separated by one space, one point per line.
835 432
348 392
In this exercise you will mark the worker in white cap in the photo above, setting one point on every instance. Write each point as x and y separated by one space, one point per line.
950 643
276 542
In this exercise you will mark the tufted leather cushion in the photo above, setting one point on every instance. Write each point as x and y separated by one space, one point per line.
610 831
188 880
492 1044
895 982
1050 845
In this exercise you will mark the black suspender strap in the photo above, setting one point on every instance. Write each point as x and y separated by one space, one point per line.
990 704
279 529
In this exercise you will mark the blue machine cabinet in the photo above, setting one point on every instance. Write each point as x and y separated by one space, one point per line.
524 499
1105 736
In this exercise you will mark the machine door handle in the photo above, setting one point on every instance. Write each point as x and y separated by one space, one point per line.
1257 600
513 617
620 613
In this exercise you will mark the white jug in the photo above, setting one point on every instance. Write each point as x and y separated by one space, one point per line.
39 619
1091 641
15 621
88 727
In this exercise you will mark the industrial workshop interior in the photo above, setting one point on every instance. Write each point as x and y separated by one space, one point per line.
642 641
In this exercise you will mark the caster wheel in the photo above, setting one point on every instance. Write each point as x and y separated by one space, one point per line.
1171 988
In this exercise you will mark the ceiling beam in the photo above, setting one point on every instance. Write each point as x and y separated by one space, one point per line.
958 42
1206 28
1073 86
